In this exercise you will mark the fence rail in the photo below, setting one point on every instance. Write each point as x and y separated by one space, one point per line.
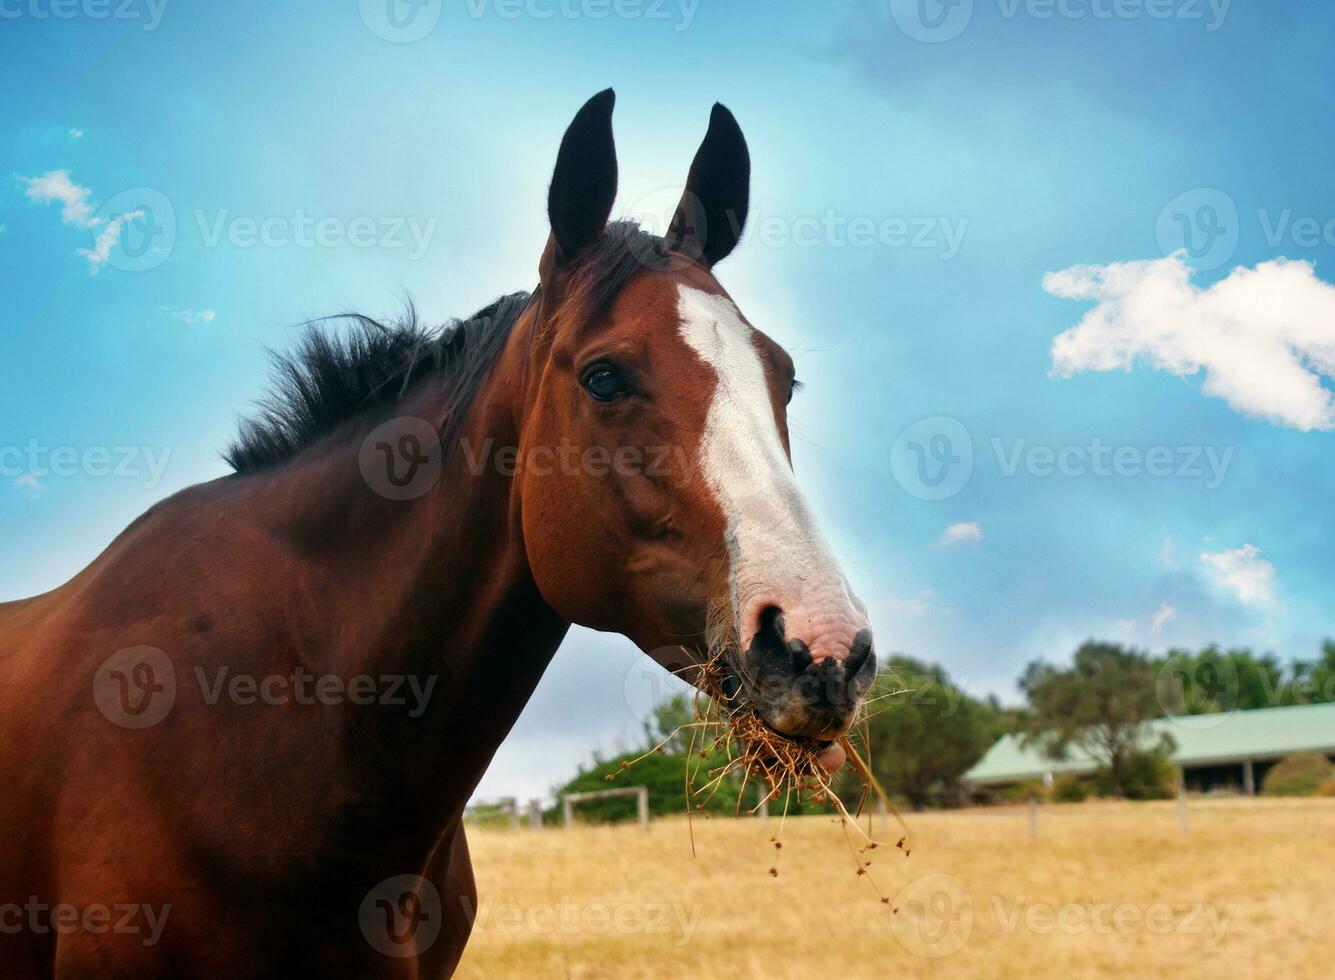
641 794
506 806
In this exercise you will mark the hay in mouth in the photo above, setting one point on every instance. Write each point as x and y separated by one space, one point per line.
785 767
782 763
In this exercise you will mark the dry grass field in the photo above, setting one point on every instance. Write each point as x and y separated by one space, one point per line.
1113 890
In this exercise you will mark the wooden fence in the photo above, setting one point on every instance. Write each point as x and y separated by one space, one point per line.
641 794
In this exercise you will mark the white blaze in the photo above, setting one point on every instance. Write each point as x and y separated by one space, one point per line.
777 553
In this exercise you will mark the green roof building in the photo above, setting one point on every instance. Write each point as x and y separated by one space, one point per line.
1229 750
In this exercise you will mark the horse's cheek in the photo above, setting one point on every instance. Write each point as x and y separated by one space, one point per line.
564 541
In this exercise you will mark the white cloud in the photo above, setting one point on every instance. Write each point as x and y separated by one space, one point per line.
76 210
76 133
916 605
1168 553
1264 337
966 532
106 240
1126 625
190 316
55 185
1244 573
1161 618
29 482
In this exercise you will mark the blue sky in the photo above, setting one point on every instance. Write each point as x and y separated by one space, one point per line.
926 179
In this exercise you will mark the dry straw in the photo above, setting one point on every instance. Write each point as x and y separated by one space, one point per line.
783 767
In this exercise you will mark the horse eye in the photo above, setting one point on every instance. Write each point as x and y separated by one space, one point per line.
604 383
794 387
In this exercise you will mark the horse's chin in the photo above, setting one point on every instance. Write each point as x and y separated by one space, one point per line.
822 728
832 757
830 753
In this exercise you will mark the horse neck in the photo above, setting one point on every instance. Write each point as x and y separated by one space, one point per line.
435 587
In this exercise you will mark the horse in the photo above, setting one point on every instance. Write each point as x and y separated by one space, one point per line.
240 742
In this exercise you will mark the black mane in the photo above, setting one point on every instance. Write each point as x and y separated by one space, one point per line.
329 379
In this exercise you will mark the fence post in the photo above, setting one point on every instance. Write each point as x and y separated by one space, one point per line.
535 814
1033 817
762 811
567 811
642 805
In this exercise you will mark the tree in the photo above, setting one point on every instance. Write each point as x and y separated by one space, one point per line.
1100 704
925 732
1213 680
1314 680
668 725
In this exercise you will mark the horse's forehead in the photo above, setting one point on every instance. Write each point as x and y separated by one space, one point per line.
714 328
657 306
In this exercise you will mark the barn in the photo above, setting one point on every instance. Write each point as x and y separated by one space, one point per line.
1228 751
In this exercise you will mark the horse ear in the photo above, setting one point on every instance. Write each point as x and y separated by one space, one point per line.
712 213
584 184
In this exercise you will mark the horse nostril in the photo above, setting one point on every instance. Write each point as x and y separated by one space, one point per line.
800 654
768 641
771 623
858 653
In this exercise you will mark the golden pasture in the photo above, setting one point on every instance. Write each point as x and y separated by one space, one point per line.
1115 890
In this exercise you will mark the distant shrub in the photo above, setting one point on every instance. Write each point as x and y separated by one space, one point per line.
1070 789
664 775
1300 774
1327 787
1145 776
1023 790
490 816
